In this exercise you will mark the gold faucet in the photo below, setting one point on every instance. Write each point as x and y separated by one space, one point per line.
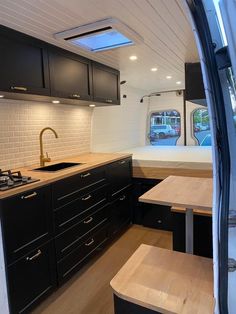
44 159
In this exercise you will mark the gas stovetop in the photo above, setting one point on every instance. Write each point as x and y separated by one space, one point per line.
13 179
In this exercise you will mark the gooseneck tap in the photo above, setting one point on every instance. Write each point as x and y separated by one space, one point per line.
44 159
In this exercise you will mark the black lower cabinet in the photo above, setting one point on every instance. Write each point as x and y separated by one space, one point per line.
157 216
91 245
149 215
120 213
31 278
202 234
125 307
52 232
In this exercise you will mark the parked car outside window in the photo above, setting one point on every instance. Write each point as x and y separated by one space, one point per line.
165 127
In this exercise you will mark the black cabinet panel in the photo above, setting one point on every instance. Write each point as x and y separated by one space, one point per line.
194 88
157 216
106 84
150 215
31 278
70 75
23 63
120 212
202 234
69 189
76 259
70 239
119 175
26 221
122 306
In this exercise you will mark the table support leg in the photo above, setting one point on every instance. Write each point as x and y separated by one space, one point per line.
189 231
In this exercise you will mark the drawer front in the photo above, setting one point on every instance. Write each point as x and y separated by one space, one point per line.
119 175
27 222
68 215
120 212
69 189
72 238
157 216
76 259
31 278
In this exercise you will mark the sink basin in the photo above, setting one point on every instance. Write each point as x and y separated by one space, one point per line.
59 166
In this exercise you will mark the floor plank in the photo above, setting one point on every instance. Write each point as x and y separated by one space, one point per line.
89 292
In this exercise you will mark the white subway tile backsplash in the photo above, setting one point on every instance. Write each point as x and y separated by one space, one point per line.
21 123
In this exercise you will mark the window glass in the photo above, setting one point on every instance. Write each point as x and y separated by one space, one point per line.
165 127
201 127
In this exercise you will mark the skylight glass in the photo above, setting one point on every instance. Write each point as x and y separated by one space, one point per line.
105 40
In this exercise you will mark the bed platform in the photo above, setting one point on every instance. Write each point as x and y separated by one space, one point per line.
159 162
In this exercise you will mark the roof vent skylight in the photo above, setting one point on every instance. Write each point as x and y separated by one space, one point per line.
102 35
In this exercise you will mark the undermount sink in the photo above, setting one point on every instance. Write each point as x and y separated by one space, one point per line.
59 166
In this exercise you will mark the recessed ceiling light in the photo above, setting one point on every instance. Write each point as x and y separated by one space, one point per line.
92 105
178 82
133 58
1 96
153 69
169 77
56 101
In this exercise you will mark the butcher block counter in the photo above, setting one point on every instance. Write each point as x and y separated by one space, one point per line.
165 281
88 160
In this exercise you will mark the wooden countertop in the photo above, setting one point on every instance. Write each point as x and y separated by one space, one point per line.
178 191
166 281
90 160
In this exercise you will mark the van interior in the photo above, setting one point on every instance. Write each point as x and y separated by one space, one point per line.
117 156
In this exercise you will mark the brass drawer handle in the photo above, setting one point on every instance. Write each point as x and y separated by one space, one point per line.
90 242
122 198
75 96
122 162
159 221
85 175
86 198
109 100
21 88
25 197
88 221
34 256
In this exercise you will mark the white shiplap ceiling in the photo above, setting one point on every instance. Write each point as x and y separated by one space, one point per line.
168 39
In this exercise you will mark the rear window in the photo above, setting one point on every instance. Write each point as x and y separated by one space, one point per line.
165 128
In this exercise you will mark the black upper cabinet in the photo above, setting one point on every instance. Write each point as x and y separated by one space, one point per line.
106 84
194 88
31 66
23 63
70 75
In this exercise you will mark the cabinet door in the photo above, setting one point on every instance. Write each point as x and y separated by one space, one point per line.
194 88
70 75
106 84
31 278
26 222
120 213
23 63
119 175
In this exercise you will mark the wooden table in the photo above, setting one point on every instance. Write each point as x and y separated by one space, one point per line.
188 192
165 281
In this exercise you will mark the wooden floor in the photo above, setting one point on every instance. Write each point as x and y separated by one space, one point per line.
89 292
